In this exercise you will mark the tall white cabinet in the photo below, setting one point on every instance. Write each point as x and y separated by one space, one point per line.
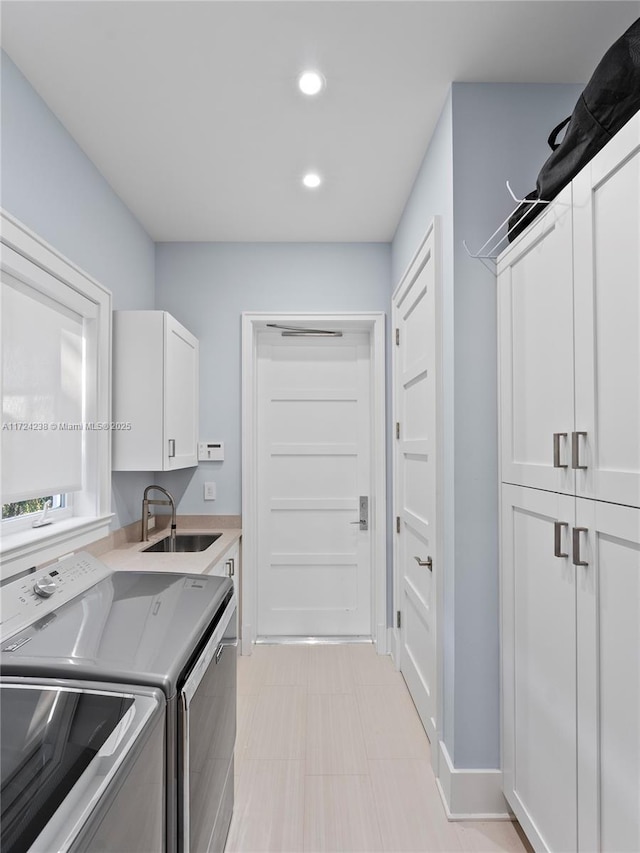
569 359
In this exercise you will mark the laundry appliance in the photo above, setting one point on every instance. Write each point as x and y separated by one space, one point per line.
171 632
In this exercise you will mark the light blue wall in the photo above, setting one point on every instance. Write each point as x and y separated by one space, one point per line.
487 133
499 133
432 195
207 286
50 185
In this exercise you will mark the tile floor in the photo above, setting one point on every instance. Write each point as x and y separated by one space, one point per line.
331 756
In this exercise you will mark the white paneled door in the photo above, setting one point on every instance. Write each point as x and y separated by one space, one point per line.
416 359
313 466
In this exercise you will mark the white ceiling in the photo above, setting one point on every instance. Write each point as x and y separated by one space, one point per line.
190 111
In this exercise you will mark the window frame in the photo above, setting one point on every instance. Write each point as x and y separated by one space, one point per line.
28 258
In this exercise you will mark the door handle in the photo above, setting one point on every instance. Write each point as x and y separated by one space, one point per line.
575 450
556 449
172 447
557 538
363 505
577 561
428 562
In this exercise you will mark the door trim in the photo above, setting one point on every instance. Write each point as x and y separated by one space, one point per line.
410 273
374 324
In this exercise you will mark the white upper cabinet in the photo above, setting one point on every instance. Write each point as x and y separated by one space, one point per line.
535 281
155 391
569 303
607 311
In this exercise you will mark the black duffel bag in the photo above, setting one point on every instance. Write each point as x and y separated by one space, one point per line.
607 103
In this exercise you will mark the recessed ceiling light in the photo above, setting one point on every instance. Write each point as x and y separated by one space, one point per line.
311 82
312 180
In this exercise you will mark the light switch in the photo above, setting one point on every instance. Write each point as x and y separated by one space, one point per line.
209 491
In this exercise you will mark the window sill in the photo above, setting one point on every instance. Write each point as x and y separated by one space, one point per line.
34 546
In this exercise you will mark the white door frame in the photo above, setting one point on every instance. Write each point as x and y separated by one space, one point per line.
374 324
396 640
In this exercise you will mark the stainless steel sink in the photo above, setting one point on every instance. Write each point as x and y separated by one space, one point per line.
184 542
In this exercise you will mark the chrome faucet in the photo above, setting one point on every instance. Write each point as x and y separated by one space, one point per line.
146 503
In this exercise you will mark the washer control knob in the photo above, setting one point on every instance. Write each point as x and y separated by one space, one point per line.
45 586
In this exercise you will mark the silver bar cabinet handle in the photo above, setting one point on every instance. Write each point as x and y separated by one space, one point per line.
576 546
556 449
557 538
428 562
575 450
172 447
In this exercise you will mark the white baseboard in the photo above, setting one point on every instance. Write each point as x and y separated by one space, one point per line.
470 794
246 640
392 645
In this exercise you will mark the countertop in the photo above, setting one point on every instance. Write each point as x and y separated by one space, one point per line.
129 556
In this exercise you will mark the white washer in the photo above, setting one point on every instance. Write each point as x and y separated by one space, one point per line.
173 632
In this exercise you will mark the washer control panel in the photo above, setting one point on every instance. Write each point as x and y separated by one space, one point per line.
33 596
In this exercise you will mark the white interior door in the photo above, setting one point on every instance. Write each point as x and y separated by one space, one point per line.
416 483
313 465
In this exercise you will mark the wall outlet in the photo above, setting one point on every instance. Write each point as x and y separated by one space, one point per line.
209 491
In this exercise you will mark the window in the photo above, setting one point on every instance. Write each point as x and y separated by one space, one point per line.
32 507
54 438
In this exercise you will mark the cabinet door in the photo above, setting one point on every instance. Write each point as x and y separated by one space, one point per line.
181 396
608 677
539 666
535 287
607 312
138 390
228 566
